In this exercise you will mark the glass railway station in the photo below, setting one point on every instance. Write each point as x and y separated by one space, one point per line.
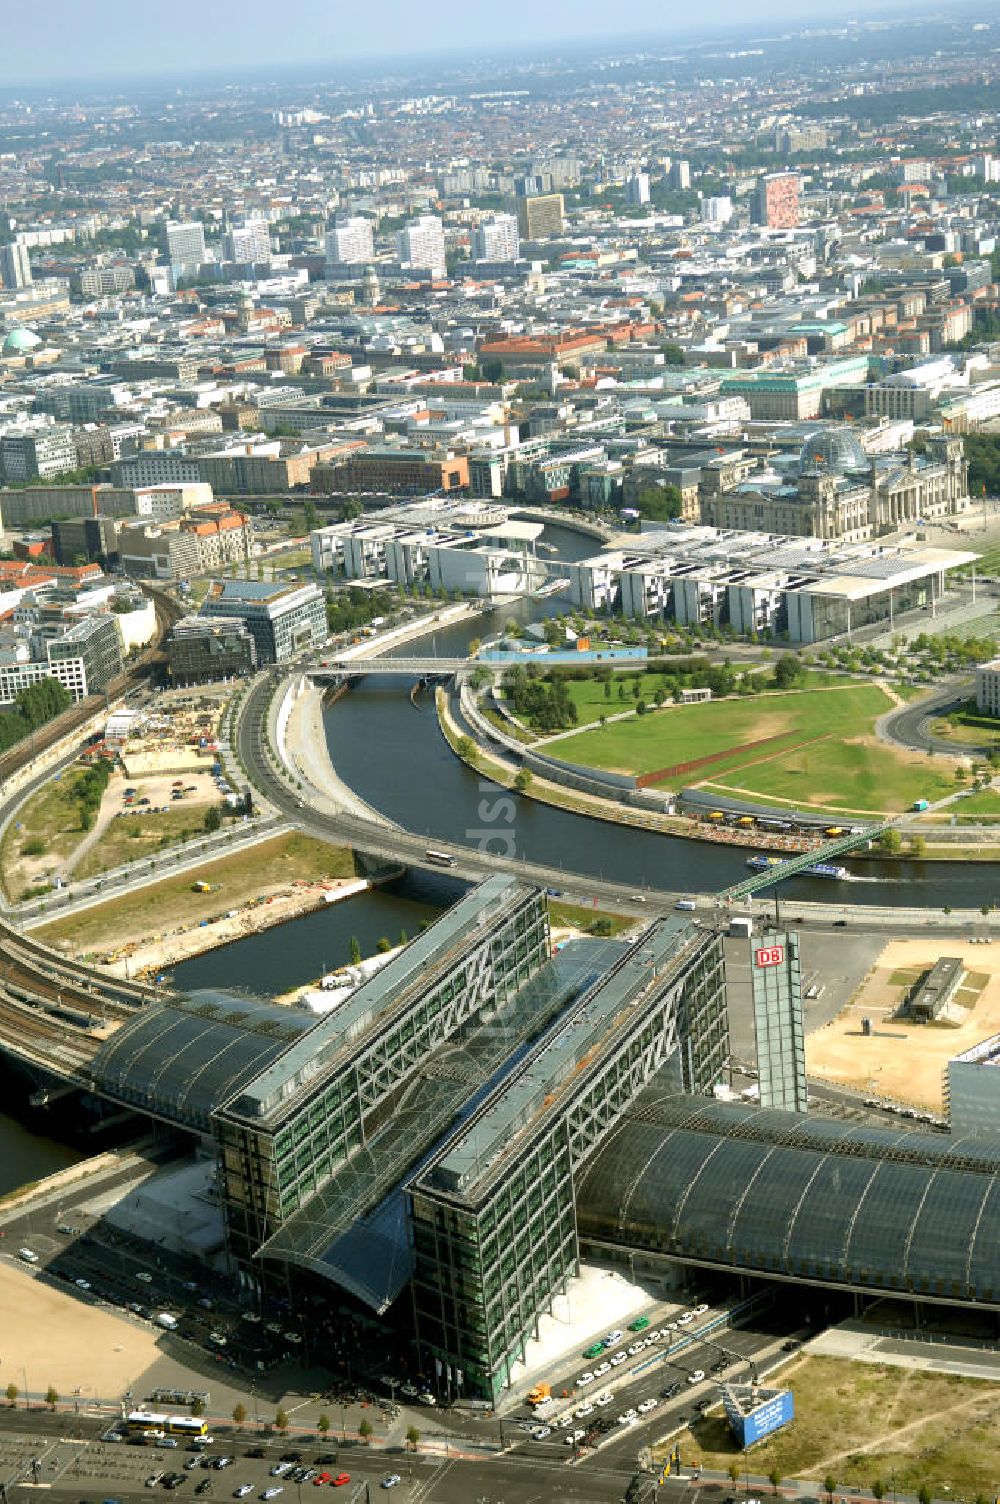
800 1197
454 1131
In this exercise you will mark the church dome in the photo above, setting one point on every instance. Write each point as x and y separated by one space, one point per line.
831 451
19 342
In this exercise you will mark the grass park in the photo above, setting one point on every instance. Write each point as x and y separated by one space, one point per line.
859 1422
814 746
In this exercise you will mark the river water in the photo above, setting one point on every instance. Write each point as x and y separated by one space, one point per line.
294 954
25 1154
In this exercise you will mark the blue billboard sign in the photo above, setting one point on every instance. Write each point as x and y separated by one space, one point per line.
769 1416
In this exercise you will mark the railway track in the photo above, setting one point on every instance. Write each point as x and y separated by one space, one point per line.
52 1008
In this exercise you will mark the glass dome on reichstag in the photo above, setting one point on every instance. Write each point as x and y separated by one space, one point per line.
831 451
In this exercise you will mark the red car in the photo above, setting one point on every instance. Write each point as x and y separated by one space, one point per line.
321 1478
341 1479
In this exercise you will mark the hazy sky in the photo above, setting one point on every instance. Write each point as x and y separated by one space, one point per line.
67 39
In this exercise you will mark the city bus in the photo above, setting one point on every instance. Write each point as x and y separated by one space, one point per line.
143 1421
440 858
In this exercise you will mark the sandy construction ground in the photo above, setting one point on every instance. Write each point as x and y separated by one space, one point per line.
58 1339
907 1060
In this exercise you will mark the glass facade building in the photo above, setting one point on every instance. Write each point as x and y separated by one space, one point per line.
283 1138
494 1212
777 1019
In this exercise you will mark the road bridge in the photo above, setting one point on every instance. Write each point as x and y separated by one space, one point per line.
416 668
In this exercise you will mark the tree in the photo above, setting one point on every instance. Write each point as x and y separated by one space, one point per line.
522 780
197 1407
239 1414
918 846
281 1420
659 503
890 842
924 1494
323 1424
734 1471
365 1430
474 646
310 516
829 1486
412 1438
878 1490
774 1478
350 508
12 1393
788 671
213 818
355 948
383 944
52 1397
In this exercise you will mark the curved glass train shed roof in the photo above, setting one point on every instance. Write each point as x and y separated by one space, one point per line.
773 1193
183 1059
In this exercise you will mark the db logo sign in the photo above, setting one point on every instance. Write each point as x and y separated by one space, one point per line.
769 955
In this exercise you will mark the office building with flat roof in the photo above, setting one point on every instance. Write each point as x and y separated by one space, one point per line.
282 619
349 241
202 648
775 201
420 245
540 216
496 239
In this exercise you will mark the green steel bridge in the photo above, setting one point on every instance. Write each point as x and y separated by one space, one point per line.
768 876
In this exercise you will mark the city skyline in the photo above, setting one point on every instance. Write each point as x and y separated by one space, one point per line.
229 40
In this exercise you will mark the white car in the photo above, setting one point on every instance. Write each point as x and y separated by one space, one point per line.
613 1338
629 1418
539 1433
584 1411
585 1378
280 1469
390 1480
273 1492
243 1490
696 1376
575 1436
619 1358
686 1319
646 1407
603 1399
700 1310
82 1284
601 1370
635 1349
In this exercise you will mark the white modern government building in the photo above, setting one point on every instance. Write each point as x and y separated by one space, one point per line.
799 589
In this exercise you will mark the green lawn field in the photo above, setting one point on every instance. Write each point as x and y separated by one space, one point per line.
819 750
588 695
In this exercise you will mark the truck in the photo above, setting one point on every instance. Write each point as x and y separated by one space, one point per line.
539 1394
741 925
920 804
